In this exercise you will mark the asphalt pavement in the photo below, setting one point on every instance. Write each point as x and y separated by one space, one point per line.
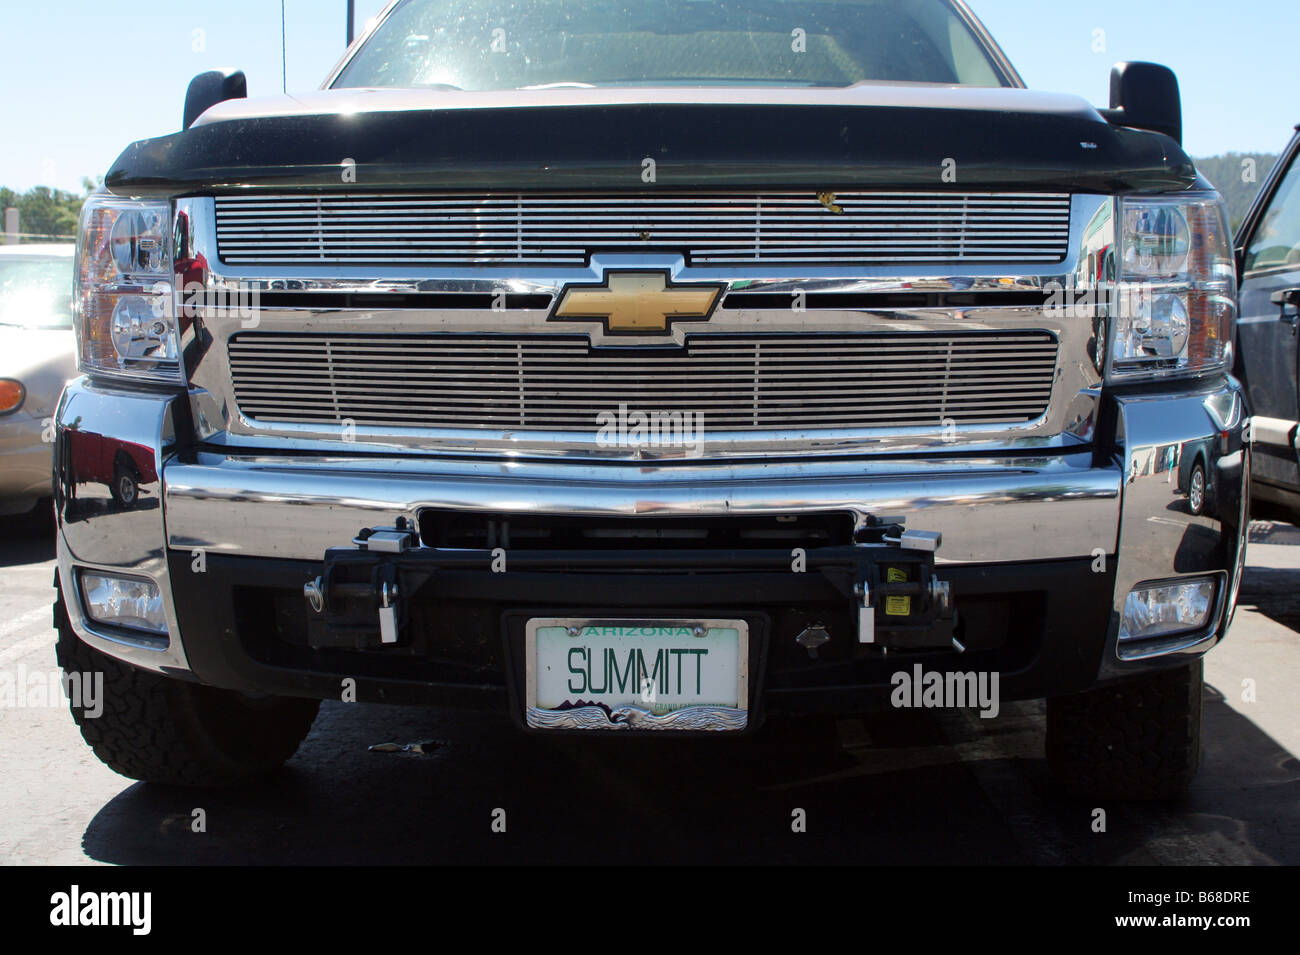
914 786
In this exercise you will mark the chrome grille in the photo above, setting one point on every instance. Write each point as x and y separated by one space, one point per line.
876 227
561 383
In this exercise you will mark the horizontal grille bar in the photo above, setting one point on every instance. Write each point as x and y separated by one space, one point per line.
561 383
713 228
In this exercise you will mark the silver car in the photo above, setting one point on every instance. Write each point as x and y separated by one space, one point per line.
37 356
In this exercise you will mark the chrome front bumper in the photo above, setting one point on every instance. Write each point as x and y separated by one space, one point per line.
1128 505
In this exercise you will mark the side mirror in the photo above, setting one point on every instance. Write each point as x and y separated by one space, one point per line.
1145 96
210 88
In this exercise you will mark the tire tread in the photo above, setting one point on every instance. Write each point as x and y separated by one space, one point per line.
1136 739
164 730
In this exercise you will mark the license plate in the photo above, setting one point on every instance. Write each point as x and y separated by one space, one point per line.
685 675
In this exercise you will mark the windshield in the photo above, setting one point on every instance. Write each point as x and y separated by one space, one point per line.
35 291
518 44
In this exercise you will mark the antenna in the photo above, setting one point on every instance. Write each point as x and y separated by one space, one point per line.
284 69
352 10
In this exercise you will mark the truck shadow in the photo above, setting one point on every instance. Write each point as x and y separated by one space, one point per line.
27 538
894 788
1274 592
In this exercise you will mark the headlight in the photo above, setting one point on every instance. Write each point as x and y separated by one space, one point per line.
1176 299
123 304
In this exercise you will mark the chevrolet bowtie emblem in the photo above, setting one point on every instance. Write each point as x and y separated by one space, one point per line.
636 303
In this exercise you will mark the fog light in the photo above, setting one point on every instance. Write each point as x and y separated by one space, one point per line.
1162 609
123 602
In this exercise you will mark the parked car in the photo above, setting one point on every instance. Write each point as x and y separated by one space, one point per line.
37 357
649 368
1196 477
1268 359
120 466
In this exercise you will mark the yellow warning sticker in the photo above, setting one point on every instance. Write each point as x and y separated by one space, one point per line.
898 606
895 575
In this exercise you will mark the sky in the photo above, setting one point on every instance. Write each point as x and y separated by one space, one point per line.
83 78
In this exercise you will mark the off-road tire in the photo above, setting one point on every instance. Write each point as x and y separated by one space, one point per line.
164 730
1136 739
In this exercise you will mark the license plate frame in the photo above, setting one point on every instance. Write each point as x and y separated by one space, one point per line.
634 715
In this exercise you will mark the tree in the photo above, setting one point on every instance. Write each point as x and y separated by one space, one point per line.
45 213
8 198
1238 176
49 212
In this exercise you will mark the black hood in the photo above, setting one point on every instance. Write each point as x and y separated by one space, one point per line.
867 137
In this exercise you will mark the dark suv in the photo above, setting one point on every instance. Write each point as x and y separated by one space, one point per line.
1268 257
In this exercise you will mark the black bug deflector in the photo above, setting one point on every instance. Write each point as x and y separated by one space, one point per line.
593 145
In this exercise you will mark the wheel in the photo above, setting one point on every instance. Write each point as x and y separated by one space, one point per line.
161 730
1137 739
126 484
1196 489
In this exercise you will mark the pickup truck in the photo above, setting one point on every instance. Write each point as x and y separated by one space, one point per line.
647 370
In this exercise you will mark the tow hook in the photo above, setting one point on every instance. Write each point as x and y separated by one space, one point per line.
315 595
